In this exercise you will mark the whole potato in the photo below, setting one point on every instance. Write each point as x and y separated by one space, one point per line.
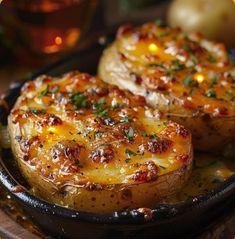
214 18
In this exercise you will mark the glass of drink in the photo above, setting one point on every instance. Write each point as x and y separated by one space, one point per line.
47 27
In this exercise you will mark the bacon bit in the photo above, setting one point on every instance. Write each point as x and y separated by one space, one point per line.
137 79
184 158
103 154
182 131
66 150
159 145
139 100
99 91
148 213
25 145
221 111
147 172
161 88
123 30
50 120
124 131
28 86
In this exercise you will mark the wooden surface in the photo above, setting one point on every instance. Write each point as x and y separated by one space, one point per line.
11 230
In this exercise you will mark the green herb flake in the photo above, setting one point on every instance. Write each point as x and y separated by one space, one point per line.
130 153
211 59
128 160
213 80
37 111
153 136
55 89
155 65
45 91
211 93
125 119
102 113
162 167
79 100
117 105
191 91
130 134
98 134
165 123
188 80
177 66
105 144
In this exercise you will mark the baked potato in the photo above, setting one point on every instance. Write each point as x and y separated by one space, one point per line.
197 15
190 79
84 144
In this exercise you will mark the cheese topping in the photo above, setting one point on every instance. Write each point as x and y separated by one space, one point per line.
196 72
77 130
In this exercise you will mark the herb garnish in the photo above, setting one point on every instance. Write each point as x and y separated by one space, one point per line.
118 105
98 134
79 100
37 111
211 93
130 153
47 91
129 133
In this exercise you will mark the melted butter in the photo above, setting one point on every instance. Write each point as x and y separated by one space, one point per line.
208 173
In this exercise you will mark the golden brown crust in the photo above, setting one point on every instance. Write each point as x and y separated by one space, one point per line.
80 135
185 76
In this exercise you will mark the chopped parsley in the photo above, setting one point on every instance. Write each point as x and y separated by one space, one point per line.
118 105
99 108
102 113
177 66
213 80
55 89
211 93
211 59
98 134
128 160
129 134
130 153
188 80
125 119
155 65
79 100
150 136
45 91
37 111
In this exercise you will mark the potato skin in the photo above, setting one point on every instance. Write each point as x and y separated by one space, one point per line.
212 129
65 133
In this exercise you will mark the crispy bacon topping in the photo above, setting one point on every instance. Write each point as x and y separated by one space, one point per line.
159 145
147 172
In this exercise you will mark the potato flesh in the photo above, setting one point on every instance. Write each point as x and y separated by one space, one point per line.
198 95
90 160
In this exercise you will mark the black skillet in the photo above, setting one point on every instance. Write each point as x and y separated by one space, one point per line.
168 221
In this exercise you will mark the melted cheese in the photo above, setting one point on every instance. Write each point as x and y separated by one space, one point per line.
79 130
196 72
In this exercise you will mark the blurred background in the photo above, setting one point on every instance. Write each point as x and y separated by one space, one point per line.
34 33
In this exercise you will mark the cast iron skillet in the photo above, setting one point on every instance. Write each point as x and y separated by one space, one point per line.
168 221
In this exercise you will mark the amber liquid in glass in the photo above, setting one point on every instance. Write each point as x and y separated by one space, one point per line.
50 26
